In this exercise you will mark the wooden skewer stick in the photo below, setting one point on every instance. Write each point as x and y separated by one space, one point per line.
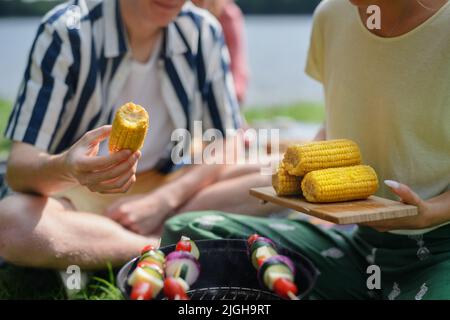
292 296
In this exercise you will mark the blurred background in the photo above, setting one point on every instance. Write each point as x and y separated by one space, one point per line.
276 38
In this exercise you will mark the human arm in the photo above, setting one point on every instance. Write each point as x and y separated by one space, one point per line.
233 27
32 170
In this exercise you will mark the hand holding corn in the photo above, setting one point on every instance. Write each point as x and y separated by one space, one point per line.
329 171
129 128
114 173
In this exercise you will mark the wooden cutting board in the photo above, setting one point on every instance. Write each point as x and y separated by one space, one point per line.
372 209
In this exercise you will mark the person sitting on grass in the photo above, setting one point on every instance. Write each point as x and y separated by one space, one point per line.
73 202
387 89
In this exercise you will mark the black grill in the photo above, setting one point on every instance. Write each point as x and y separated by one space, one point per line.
227 273
231 293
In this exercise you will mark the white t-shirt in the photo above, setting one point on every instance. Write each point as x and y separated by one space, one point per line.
143 87
390 95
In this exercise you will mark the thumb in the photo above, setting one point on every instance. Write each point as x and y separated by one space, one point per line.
96 136
404 192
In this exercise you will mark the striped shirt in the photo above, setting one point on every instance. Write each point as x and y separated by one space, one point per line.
74 75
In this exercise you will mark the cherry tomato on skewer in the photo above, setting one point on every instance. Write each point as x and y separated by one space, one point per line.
147 248
173 290
141 291
285 288
252 239
183 245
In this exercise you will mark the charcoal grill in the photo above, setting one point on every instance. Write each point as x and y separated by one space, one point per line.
227 274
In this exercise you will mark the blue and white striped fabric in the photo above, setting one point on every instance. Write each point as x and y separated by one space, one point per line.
74 76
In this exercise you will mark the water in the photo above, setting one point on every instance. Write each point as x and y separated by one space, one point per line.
277 49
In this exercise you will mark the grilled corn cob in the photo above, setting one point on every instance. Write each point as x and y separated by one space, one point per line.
285 184
340 184
129 128
301 159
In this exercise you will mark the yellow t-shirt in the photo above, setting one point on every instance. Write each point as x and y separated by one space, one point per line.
390 95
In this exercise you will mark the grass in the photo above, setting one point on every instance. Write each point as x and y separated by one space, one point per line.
31 284
101 287
28 283
303 112
5 110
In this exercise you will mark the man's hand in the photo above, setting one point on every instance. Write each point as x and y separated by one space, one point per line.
142 214
421 221
113 173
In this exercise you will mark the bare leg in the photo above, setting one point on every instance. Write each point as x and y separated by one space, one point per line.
232 195
44 232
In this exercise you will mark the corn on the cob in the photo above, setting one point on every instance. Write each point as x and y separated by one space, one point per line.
285 184
340 184
129 128
301 159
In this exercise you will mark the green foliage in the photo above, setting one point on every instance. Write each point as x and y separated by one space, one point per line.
29 283
101 287
303 112
5 110
26 8
39 284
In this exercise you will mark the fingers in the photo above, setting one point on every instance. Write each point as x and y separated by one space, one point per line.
88 164
116 171
404 192
96 135
120 185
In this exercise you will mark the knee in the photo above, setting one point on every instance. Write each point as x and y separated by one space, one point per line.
18 208
18 213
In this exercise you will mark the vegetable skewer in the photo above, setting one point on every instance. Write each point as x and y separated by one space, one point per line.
147 279
275 272
182 269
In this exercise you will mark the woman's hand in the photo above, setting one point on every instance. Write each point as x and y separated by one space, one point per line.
113 173
143 214
421 221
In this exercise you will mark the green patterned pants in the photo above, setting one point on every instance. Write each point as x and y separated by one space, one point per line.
412 267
